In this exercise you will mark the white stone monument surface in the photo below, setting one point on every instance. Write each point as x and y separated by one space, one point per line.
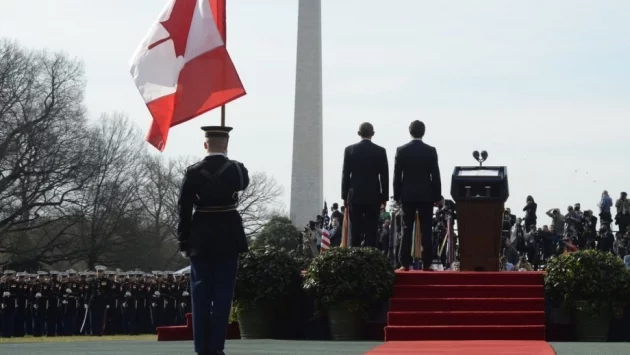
307 178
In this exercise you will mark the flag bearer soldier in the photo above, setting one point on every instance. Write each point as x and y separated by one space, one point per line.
21 314
130 293
71 307
52 304
211 233
82 300
8 303
184 301
172 300
29 311
97 301
41 294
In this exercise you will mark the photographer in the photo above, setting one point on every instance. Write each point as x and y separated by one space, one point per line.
589 223
621 245
623 212
557 220
605 239
508 222
530 213
309 239
518 236
605 203
532 246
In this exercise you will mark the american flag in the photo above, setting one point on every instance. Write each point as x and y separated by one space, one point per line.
325 241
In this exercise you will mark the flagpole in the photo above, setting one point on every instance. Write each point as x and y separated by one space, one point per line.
222 4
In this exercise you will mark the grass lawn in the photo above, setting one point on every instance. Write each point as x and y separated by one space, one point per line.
74 339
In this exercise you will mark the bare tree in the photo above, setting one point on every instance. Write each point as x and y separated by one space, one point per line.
43 143
259 202
108 202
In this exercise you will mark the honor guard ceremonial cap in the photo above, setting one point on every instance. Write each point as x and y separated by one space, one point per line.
100 268
217 131
9 272
54 273
42 273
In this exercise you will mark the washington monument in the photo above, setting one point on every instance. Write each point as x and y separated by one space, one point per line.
307 178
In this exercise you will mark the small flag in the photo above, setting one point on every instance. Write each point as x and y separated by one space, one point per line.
325 241
346 233
182 68
416 246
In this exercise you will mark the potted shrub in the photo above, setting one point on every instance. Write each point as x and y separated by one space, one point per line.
593 286
267 277
345 283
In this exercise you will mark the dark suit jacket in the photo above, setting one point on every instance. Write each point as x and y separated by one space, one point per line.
417 173
365 177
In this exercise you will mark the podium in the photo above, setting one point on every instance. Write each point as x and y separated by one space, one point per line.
480 194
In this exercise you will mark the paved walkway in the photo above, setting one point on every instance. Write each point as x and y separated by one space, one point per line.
256 347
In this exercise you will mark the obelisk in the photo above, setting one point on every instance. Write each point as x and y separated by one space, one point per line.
307 178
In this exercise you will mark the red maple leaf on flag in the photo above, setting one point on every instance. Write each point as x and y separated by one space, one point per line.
178 25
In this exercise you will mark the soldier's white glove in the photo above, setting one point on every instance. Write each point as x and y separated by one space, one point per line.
65 302
85 306
153 304
3 306
185 294
68 290
165 303
107 307
183 305
124 305
6 294
127 294
35 306
156 294
38 295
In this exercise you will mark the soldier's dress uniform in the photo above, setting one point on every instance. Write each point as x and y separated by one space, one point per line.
8 304
211 232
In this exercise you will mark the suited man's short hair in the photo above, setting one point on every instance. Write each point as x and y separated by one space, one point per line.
366 130
417 129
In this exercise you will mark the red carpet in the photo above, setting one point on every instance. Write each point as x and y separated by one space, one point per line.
480 347
466 306
185 332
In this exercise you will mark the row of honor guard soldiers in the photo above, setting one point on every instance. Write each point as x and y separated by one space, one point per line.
91 303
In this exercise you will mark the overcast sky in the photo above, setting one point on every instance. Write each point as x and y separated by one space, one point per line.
543 86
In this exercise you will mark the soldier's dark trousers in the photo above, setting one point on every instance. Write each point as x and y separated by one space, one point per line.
212 290
97 319
8 322
129 325
28 320
39 322
20 321
70 320
51 320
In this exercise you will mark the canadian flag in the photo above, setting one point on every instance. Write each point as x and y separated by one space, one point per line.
325 241
182 68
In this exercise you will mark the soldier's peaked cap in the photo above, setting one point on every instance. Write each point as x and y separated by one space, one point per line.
9 272
100 268
217 131
42 273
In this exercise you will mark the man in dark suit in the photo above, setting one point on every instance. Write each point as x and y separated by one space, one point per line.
213 237
365 186
417 187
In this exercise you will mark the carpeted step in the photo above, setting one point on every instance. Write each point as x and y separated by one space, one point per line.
465 318
468 278
466 304
189 320
469 291
174 333
476 332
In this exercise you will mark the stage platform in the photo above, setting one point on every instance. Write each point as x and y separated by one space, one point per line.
253 347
